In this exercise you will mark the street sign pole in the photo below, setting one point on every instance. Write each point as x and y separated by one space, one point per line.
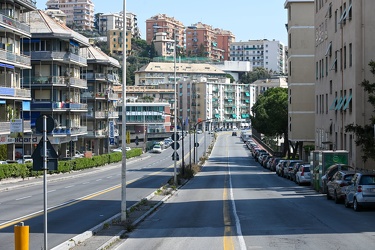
45 178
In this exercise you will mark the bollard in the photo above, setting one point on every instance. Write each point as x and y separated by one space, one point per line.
21 237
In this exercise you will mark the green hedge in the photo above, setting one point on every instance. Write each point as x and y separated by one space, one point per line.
15 170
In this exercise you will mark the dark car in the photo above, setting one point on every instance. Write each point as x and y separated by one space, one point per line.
331 170
337 185
234 133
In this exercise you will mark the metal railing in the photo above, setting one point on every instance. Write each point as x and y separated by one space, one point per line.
14 58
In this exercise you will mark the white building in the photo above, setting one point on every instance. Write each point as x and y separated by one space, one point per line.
261 53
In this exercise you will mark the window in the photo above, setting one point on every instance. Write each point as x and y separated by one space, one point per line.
344 57
326 66
336 21
316 70
330 87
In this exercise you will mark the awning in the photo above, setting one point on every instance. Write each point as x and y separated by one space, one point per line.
329 49
217 116
247 101
247 94
229 100
6 65
347 102
74 43
340 103
333 105
234 116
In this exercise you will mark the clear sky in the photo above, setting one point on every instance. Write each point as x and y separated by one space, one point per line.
246 19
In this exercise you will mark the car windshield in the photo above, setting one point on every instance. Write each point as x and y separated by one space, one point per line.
348 177
306 169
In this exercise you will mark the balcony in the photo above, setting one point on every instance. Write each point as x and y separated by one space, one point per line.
113 114
63 131
14 58
5 127
7 21
13 92
59 106
27 3
56 81
67 57
94 76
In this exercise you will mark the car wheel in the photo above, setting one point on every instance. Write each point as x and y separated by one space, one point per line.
336 199
356 206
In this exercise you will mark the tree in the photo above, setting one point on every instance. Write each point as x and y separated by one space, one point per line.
252 76
271 114
365 134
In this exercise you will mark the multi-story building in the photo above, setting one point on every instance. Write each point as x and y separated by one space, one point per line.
262 85
224 39
201 40
58 56
174 29
80 13
203 92
114 21
301 82
102 115
344 42
261 53
115 41
13 62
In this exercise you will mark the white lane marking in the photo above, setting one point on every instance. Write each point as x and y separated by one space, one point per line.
238 223
109 177
50 191
22 198
98 179
69 186
85 183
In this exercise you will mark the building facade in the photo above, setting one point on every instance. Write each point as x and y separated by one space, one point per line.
270 55
102 116
344 39
79 13
58 56
301 81
115 42
14 96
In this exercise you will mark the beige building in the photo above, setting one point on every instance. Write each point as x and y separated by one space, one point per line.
262 85
115 42
301 81
114 21
80 13
344 40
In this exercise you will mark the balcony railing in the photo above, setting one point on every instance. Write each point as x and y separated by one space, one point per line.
58 55
7 21
23 93
94 76
5 126
113 114
58 106
100 114
14 58
57 80
69 131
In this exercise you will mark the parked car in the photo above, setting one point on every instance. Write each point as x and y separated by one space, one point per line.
292 174
280 167
26 158
199 131
361 191
289 169
156 149
119 149
234 133
258 153
303 175
274 163
260 157
337 185
331 170
3 162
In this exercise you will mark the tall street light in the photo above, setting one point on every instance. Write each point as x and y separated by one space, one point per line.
123 129
175 101
195 138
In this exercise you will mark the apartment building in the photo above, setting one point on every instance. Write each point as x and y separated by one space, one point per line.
80 13
301 81
201 40
174 29
115 41
14 98
101 118
264 53
203 93
344 40
58 56
262 85
114 21
224 39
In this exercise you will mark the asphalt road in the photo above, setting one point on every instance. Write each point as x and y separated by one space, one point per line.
79 201
234 203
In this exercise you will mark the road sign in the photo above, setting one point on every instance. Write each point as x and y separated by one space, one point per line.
50 124
177 145
177 156
177 137
38 156
196 144
111 141
128 137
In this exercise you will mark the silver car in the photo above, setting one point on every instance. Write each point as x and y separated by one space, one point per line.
303 174
361 191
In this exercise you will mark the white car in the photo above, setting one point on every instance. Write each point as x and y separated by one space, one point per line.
27 159
117 149
156 149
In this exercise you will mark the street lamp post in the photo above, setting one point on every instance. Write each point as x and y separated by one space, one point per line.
195 138
175 101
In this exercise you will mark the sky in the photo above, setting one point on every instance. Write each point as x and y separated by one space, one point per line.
246 19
